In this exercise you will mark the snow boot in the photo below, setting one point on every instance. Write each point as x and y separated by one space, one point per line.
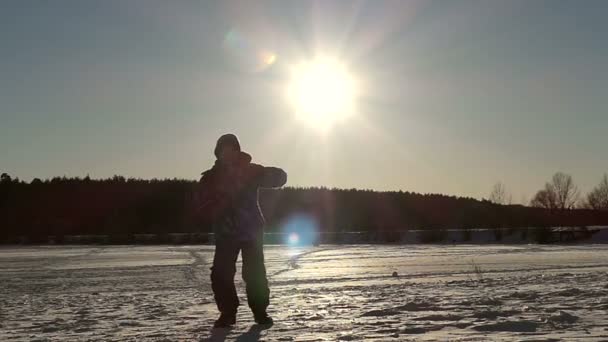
263 319
225 321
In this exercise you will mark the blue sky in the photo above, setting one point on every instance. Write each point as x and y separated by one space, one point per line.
456 95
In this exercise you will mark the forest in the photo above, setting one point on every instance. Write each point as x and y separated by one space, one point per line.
64 206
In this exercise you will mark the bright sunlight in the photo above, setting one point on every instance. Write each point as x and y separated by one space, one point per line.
322 92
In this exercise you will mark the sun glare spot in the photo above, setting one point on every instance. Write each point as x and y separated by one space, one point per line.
294 239
269 58
322 92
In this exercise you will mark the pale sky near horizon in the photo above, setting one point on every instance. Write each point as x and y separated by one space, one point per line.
454 95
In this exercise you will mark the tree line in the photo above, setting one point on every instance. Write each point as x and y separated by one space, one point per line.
560 193
80 206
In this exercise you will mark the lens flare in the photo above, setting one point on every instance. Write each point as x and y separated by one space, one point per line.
300 230
294 239
245 54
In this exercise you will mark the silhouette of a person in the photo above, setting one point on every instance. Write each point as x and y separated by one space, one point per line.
229 197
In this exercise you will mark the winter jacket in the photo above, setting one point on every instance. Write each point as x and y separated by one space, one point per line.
228 198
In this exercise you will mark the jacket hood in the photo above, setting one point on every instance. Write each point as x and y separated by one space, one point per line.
227 140
244 159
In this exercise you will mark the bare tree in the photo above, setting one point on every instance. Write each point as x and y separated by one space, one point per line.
560 193
499 194
5 178
598 197
566 193
544 199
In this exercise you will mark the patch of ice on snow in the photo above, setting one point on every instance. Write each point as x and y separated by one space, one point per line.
417 306
381 313
493 314
411 306
488 300
509 326
561 317
571 292
439 317
527 295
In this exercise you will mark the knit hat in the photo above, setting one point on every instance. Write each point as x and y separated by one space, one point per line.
227 140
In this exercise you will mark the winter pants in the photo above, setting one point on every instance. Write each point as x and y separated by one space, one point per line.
254 274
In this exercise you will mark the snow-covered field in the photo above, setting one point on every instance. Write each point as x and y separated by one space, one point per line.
325 293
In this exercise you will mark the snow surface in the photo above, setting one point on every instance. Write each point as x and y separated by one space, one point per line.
325 293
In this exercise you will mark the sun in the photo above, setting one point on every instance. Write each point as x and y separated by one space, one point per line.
322 92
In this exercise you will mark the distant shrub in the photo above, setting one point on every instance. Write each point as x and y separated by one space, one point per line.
122 239
466 234
497 234
433 236
477 270
391 237
542 235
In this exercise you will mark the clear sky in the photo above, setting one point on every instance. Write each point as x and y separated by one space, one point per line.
453 96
